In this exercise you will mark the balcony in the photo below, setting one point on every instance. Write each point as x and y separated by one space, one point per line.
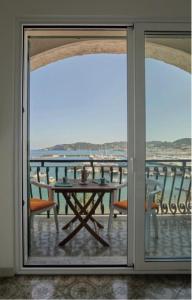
173 214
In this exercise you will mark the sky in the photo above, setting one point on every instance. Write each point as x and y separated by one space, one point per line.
84 99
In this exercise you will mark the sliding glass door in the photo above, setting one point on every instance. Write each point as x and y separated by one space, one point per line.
77 147
106 128
168 146
163 148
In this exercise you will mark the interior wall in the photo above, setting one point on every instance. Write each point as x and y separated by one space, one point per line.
12 11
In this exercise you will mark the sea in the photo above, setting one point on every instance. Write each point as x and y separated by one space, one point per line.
110 154
77 154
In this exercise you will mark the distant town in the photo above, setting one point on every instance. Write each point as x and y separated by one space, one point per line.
179 149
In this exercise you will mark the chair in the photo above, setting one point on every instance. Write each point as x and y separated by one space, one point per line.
153 187
38 206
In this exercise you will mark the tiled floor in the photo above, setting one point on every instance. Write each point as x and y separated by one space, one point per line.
174 241
174 238
83 248
96 287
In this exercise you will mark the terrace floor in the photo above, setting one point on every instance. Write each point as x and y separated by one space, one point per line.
174 242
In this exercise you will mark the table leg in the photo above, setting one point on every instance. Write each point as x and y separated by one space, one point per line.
113 199
83 222
82 209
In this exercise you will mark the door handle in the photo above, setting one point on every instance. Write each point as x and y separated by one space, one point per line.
132 164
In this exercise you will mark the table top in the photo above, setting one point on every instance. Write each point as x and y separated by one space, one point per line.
89 186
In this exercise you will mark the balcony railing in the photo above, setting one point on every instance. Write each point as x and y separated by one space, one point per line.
174 175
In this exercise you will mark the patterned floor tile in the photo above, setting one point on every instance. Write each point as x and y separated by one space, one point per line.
174 241
96 287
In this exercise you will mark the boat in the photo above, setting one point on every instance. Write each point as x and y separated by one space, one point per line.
125 171
40 175
52 179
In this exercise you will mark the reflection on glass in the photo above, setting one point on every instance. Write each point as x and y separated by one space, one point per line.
168 147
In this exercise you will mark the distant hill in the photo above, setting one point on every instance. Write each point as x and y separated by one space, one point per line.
89 146
177 143
185 141
122 145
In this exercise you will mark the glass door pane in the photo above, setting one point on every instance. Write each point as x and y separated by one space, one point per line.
78 125
168 147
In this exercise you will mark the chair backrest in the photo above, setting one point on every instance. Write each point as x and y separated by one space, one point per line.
152 185
152 188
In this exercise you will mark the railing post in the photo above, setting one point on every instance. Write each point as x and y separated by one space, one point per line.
120 181
38 179
47 177
58 197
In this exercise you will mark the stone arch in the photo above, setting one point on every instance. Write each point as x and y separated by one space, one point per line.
174 56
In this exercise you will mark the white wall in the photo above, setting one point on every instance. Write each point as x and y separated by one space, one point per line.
10 11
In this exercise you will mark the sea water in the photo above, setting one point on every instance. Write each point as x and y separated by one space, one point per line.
85 155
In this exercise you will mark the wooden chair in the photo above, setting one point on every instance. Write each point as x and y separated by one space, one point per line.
153 187
38 206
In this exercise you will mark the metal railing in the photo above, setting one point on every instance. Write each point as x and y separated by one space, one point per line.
174 175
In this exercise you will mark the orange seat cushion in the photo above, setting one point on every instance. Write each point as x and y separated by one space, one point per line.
38 204
153 206
123 204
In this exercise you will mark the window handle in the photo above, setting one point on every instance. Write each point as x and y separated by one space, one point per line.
132 164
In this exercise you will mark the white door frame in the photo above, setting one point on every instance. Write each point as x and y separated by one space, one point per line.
137 149
22 232
140 147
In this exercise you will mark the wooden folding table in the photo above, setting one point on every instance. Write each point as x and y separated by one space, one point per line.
83 212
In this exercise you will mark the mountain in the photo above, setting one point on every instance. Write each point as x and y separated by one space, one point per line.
184 141
89 146
122 145
177 143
